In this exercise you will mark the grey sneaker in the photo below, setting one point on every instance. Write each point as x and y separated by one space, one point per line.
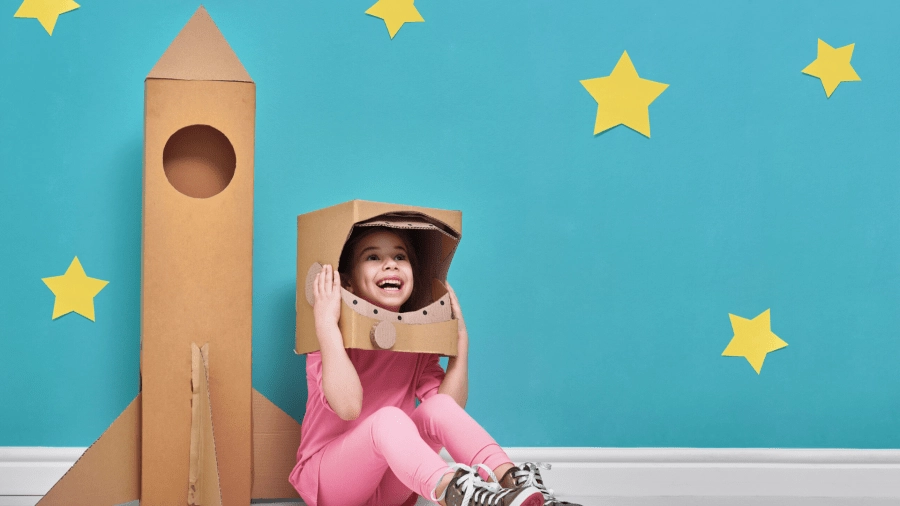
528 475
466 488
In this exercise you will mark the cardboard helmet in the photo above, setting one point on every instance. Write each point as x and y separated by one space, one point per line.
426 323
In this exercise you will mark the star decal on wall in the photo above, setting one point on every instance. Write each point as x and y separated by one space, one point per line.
74 291
395 13
623 98
832 66
753 339
45 11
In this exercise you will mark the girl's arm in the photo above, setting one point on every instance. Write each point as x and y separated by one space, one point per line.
456 381
340 382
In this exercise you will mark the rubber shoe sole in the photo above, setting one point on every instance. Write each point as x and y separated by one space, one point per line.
530 496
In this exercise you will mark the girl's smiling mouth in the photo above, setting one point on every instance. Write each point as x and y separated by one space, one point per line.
390 284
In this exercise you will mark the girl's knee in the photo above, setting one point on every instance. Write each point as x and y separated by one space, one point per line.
438 404
388 417
388 414
391 422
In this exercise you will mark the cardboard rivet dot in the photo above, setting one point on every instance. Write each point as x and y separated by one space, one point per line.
311 274
383 335
399 317
354 302
424 312
375 311
442 303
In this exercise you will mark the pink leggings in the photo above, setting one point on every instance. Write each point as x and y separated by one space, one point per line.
390 455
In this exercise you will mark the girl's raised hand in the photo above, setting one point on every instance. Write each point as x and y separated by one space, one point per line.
454 304
327 296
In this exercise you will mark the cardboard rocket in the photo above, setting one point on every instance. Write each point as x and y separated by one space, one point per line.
197 433
426 323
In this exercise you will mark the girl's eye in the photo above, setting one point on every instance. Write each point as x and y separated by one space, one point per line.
400 257
372 257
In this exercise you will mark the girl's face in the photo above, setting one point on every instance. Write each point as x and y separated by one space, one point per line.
381 271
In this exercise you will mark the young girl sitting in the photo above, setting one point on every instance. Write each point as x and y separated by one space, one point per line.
364 440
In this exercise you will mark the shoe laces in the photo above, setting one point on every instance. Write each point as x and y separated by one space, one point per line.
529 476
477 490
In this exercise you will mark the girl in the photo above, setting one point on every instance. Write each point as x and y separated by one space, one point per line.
364 441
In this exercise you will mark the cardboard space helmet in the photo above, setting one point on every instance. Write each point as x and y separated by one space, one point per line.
426 323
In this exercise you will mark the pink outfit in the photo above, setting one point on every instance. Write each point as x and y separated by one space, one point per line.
390 452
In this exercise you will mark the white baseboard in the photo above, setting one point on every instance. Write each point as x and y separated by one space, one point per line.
622 472
723 472
32 470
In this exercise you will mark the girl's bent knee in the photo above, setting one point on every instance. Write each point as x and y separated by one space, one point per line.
438 407
390 423
389 417
388 414
439 403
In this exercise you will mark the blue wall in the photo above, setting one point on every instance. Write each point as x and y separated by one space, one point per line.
596 273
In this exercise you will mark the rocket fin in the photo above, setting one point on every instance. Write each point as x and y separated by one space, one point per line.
276 437
109 471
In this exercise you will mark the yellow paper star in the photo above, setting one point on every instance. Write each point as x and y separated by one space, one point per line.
623 98
753 339
46 11
395 13
74 291
832 66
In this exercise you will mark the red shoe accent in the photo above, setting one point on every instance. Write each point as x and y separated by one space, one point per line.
535 500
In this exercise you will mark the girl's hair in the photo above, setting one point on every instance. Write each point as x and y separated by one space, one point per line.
348 260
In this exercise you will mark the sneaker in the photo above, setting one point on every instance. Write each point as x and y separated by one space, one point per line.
528 475
466 488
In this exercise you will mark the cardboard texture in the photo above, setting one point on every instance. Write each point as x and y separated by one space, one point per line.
109 471
204 488
200 107
276 437
189 436
426 323
200 53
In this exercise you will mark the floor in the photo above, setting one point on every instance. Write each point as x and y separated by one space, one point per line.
709 501
706 501
619 501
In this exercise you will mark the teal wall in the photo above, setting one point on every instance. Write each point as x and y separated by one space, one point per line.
596 273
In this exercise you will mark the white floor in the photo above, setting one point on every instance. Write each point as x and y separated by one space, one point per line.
613 476
626 501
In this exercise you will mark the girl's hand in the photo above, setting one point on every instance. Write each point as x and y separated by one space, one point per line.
454 304
327 297
456 379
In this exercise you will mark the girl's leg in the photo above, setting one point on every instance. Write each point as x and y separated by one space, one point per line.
442 423
392 487
387 444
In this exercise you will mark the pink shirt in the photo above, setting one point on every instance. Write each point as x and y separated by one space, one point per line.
388 378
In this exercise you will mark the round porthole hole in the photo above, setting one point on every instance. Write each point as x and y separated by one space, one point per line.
199 161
